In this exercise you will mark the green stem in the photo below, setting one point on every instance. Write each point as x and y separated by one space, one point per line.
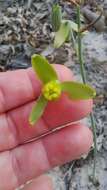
95 143
83 74
80 55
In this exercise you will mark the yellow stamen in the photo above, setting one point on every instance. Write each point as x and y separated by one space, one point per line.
52 90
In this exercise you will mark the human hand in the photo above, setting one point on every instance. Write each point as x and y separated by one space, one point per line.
20 162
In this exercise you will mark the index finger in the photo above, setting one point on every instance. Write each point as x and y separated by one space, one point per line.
22 86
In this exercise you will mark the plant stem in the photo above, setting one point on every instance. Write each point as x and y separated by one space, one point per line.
95 142
83 75
80 55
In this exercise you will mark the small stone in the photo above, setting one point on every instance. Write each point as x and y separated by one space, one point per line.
5 54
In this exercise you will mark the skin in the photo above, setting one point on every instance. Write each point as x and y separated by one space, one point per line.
20 162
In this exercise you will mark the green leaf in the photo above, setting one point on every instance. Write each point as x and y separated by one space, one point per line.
62 35
56 17
37 110
74 26
43 69
78 91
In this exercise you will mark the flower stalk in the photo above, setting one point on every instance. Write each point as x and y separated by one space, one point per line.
83 75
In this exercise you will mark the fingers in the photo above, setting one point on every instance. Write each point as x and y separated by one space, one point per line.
15 128
17 88
31 160
65 110
22 86
41 183
14 124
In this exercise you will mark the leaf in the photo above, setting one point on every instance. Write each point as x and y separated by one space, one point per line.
62 35
78 91
74 26
37 110
43 69
56 17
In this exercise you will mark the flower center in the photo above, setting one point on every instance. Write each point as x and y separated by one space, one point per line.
52 90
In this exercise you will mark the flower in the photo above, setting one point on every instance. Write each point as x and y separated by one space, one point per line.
52 90
52 87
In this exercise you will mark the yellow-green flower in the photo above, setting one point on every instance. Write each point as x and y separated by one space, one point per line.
52 87
52 90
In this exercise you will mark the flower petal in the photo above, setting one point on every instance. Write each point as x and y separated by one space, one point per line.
62 35
78 91
56 17
37 110
43 69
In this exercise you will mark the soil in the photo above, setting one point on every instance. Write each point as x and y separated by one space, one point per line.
25 28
